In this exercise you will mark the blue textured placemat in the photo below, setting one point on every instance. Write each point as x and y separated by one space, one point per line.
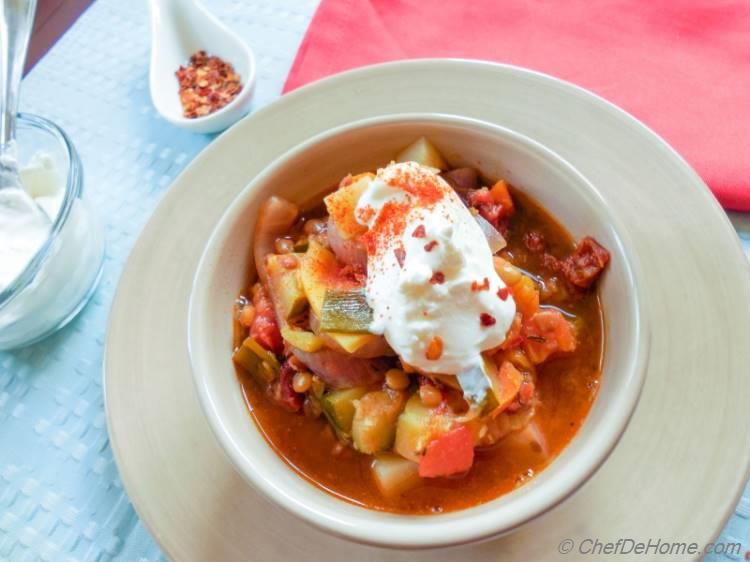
60 495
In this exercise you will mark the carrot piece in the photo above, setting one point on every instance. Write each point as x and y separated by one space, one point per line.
545 333
509 381
526 296
513 337
501 195
451 453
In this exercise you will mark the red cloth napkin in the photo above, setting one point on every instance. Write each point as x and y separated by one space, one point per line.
683 67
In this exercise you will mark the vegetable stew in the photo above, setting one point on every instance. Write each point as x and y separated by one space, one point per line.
374 401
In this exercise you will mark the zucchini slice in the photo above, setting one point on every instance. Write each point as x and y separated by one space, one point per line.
257 361
338 406
302 339
345 311
374 423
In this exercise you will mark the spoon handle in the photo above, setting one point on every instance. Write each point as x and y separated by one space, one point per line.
16 21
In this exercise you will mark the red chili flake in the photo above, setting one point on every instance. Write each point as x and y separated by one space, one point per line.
430 245
484 286
206 85
437 278
419 232
503 293
400 256
487 319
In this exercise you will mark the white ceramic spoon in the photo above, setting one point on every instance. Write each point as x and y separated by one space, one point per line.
179 28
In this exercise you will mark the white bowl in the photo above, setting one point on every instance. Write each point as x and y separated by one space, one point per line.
317 164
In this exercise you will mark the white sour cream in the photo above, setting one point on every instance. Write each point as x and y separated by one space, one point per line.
431 275
72 261
23 226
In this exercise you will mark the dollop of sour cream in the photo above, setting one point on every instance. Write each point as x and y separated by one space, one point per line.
431 282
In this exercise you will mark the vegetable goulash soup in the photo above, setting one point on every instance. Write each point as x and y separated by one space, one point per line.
423 340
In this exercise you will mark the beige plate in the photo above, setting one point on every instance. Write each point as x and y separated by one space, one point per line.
680 466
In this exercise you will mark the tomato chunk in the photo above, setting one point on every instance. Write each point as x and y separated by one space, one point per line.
586 263
264 329
509 380
451 453
495 204
283 392
545 333
501 195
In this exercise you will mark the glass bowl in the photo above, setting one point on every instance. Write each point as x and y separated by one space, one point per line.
61 277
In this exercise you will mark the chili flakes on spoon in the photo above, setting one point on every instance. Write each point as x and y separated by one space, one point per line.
207 84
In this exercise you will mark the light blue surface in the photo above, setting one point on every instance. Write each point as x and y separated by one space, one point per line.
60 495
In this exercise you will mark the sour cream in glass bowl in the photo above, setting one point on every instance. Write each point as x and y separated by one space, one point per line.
47 275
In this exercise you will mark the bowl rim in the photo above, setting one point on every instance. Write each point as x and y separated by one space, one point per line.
441 530
73 190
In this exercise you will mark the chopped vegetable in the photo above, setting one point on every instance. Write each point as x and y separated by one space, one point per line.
275 219
462 180
265 328
584 266
505 382
284 286
319 272
451 453
338 406
423 152
508 272
345 311
257 361
339 370
526 296
359 345
416 426
282 390
545 333
501 195
348 251
494 238
342 203
302 339
394 474
513 338
374 424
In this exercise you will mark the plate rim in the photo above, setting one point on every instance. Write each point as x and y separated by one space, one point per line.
307 90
